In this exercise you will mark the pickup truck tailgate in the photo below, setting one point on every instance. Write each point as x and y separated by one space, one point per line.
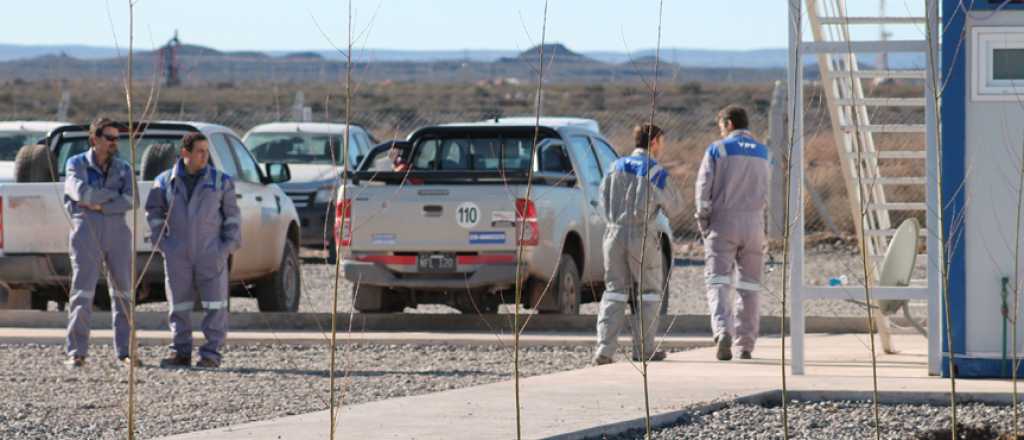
445 218
35 222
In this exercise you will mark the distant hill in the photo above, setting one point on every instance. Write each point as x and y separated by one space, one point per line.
204 64
754 59
553 52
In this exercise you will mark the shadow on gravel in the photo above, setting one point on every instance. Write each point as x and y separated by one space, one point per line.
968 432
354 373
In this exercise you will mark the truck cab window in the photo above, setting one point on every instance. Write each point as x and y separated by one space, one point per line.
589 168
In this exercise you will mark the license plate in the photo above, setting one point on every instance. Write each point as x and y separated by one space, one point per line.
436 262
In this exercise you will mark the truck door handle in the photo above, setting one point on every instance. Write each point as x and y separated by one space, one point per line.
238 196
432 210
593 203
259 198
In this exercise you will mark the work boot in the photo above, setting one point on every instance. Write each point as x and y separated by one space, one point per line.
126 362
176 361
601 360
74 362
745 354
724 342
657 356
205 362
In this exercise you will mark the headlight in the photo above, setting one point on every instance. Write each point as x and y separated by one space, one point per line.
324 195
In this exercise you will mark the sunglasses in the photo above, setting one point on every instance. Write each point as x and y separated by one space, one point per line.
109 138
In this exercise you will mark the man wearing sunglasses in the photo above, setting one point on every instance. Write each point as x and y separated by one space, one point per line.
97 193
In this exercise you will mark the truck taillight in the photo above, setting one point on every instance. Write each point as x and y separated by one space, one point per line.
526 218
343 222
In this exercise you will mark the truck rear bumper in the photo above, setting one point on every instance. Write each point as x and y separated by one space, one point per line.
485 276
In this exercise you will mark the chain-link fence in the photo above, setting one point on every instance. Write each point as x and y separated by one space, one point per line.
686 111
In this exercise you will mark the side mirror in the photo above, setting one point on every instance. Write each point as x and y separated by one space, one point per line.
277 172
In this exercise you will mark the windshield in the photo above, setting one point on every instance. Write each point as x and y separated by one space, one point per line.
12 141
477 154
302 148
72 146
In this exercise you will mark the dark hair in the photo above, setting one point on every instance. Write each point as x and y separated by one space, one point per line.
99 124
737 115
190 140
645 133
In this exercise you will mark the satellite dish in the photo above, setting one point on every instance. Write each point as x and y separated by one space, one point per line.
900 257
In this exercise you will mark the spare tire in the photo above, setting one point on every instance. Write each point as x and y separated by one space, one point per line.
157 159
35 163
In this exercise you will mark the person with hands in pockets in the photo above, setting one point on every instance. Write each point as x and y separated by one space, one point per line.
196 224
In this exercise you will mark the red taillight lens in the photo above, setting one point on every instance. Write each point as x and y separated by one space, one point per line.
526 217
343 222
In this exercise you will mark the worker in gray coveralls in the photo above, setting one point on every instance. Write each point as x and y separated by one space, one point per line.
634 190
195 224
732 193
97 193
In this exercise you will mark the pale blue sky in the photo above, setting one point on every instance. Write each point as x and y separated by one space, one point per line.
583 25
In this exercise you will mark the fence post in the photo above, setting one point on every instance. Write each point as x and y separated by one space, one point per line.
777 144
298 106
64 105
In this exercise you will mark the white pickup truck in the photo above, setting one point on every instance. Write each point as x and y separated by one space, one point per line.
447 228
34 226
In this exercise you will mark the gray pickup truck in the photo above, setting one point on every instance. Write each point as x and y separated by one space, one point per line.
34 226
437 218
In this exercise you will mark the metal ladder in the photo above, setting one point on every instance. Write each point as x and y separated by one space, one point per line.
869 190
864 158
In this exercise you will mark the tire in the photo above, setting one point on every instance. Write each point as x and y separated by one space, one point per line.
157 159
40 301
332 254
666 287
101 299
35 163
476 302
566 288
281 290
376 299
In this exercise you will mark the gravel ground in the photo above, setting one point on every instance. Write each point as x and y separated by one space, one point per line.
687 286
687 297
837 421
40 399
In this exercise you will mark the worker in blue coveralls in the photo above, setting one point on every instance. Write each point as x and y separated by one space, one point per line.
732 193
195 224
97 194
633 192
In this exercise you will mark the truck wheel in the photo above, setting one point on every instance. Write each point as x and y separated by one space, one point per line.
376 299
332 254
157 159
101 299
35 163
666 290
280 291
568 286
562 293
40 301
476 302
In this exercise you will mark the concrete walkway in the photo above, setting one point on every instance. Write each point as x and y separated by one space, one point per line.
10 335
572 404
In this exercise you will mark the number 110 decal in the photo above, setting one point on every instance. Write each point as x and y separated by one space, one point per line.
467 215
